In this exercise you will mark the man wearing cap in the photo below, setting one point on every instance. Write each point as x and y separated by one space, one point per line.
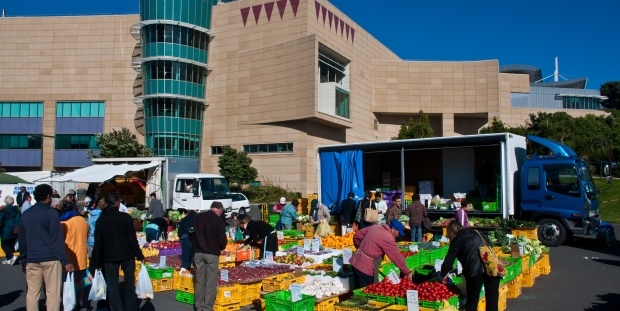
372 243
278 207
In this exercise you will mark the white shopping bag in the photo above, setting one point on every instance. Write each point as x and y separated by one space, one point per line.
144 288
99 289
68 293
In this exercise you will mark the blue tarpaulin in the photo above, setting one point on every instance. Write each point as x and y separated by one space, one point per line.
341 172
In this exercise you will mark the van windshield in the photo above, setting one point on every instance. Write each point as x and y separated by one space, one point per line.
588 182
214 188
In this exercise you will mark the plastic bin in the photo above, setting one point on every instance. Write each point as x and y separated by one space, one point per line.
281 301
489 207
281 282
234 305
327 304
514 287
184 297
161 285
503 299
530 233
250 292
545 264
528 278
183 283
160 273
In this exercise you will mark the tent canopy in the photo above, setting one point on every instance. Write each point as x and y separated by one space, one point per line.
99 173
10 179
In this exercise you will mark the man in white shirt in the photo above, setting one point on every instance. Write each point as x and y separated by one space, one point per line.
381 205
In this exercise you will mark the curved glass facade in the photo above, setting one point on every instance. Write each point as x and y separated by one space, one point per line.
173 126
173 123
195 12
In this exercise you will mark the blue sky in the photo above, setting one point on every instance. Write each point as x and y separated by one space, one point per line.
585 35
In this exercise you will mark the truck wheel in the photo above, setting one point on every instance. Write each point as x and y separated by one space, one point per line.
551 232
242 210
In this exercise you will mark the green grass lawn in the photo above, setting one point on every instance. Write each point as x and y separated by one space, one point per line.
610 200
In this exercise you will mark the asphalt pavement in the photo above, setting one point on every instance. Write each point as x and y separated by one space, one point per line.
584 276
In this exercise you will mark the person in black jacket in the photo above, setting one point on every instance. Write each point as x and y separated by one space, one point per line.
21 196
116 245
187 252
208 237
362 205
260 234
347 211
464 246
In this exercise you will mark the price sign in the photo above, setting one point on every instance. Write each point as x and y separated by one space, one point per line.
269 256
337 264
459 268
224 275
413 304
280 235
438 263
295 292
307 244
435 244
300 251
413 248
316 245
349 230
162 261
393 277
346 255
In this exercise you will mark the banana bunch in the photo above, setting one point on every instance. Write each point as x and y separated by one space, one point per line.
150 252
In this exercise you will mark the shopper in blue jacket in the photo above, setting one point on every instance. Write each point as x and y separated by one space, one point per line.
289 214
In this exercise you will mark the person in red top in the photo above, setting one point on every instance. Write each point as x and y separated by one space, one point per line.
372 243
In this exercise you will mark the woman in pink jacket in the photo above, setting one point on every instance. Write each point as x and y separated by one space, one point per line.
372 243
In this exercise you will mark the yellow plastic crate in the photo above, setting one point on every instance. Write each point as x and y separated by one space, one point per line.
525 263
530 233
545 265
231 257
482 304
250 292
503 298
224 265
514 287
327 305
162 285
183 283
235 305
536 269
138 266
281 282
528 279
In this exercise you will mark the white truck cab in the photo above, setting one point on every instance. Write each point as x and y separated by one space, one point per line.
198 191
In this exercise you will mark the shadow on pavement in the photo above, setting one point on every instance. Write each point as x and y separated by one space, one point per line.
148 306
608 262
609 301
8 298
595 245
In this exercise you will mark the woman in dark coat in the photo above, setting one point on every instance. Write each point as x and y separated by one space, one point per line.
9 219
259 233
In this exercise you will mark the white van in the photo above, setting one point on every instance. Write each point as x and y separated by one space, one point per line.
198 191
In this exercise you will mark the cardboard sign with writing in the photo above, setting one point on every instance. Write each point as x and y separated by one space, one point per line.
413 248
413 304
393 277
346 255
307 244
224 275
280 235
300 251
295 292
162 261
316 245
269 256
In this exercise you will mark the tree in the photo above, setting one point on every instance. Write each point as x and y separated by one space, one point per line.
119 144
236 167
612 91
412 129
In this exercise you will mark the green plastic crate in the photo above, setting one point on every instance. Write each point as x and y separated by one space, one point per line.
512 270
184 297
274 218
489 207
160 273
286 246
292 233
453 301
281 301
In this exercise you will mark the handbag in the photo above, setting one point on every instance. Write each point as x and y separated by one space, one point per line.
371 215
492 265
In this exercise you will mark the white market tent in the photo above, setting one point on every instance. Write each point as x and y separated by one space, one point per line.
99 173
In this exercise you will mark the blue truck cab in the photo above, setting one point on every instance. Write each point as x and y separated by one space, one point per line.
558 193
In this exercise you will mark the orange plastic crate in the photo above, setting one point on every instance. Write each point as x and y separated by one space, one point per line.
243 255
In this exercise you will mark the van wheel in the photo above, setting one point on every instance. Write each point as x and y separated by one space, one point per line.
551 232
242 210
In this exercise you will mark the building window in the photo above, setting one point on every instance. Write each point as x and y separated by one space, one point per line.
8 141
75 142
173 107
175 34
268 148
342 103
173 70
215 150
331 70
80 109
576 102
21 110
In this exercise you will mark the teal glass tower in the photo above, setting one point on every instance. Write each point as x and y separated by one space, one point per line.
174 38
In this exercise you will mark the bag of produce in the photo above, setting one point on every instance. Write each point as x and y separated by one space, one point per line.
323 229
68 293
144 287
99 289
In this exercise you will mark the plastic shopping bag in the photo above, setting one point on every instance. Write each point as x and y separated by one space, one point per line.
68 293
144 288
99 288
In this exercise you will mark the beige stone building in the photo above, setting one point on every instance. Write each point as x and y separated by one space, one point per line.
282 78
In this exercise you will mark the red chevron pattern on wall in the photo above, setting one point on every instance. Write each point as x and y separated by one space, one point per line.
340 26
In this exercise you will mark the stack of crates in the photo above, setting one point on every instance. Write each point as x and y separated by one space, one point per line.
162 278
282 301
281 282
251 292
227 298
503 297
514 287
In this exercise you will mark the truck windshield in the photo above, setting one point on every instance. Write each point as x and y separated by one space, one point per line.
214 188
588 183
